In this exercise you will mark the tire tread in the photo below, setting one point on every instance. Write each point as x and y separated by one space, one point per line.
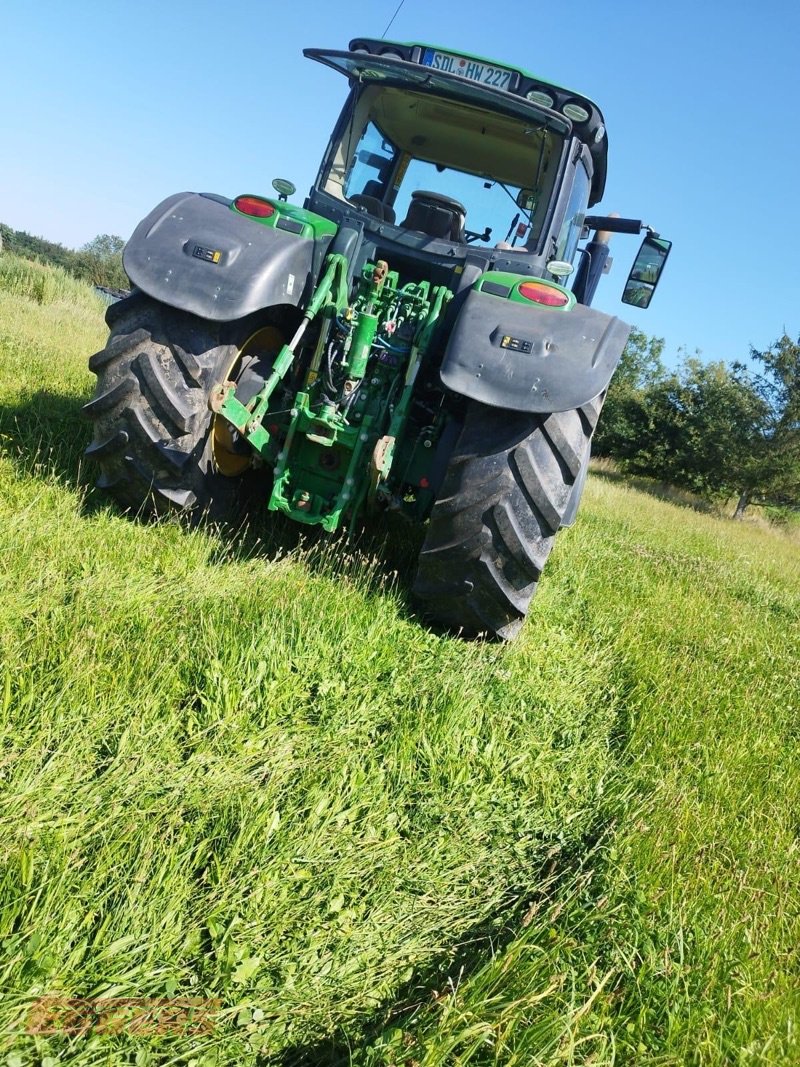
150 413
493 525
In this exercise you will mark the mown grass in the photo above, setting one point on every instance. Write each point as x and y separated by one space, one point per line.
678 942
243 770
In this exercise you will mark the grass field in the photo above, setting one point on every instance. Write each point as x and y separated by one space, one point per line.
238 769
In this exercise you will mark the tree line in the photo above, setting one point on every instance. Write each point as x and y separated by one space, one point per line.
718 430
98 262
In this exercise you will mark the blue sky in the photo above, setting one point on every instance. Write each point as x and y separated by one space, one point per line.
106 108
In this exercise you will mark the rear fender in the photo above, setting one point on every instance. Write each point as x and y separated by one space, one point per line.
194 253
561 358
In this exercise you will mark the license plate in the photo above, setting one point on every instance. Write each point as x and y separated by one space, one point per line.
470 69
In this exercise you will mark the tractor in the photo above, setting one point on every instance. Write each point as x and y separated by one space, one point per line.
417 336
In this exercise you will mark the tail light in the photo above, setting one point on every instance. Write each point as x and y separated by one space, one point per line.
542 293
256 206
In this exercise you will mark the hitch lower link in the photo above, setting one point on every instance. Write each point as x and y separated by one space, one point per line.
331 290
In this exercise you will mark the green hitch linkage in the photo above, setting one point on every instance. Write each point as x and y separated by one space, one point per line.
367 326
419 350
248 420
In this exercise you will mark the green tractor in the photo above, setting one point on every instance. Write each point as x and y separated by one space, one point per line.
417 336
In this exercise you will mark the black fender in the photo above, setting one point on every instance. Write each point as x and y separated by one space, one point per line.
194 253
569 360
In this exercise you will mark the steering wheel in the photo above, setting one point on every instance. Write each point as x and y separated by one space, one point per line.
471 235
439 200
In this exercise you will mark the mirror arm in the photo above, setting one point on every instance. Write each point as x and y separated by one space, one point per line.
614 224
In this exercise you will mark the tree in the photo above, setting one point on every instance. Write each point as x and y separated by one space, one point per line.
696 427
104 247
713 429
706 423
625 414
772 471
100 261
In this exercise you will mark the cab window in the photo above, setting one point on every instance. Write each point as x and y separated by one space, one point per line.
397 140
371 164
572 225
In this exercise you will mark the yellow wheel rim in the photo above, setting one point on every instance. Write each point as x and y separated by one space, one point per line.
227 460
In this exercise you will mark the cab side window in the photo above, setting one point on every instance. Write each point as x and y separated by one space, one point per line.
371 163
572 225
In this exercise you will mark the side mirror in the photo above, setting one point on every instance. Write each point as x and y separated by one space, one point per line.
526 199
646 271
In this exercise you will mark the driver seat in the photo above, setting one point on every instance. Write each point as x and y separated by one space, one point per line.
370 200
436 220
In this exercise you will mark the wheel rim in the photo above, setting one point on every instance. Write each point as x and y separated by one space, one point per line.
227 460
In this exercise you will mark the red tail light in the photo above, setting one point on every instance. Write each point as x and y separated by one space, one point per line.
255 206
542 293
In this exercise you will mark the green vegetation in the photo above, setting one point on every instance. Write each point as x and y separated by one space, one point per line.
237 767
710 428
43 284
98 262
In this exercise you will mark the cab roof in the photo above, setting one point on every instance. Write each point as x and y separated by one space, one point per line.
478 80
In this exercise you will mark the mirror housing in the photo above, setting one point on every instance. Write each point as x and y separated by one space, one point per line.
646 271
284 188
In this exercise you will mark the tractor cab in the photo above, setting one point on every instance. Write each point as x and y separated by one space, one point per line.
457 157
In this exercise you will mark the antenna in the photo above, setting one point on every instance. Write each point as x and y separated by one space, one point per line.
391 20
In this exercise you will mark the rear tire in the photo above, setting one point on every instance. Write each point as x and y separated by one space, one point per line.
150 410
505 493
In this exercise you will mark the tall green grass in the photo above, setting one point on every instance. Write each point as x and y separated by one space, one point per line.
241 769
45 284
